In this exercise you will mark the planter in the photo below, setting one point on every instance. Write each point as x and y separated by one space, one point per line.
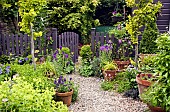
155 109
122 64
65 97
109 74
142 84
117 19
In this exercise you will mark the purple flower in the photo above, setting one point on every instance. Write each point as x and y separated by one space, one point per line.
54 56
119 27
102 48
63 52
129 42
55 81
0 71
20 61
66 55
48 38
149 75
7 70
70 78
109 42
106 48
8 67
26 59
56 52
64 79
68 63
120 41
114 13
60 47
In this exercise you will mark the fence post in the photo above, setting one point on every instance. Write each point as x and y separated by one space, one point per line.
93 31
54 37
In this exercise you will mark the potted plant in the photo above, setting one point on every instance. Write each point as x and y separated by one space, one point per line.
124 46
109 71
158 94
116 16
64 90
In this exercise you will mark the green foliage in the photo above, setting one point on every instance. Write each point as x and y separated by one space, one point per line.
96 66
86 69
20 95
32 13
75 93
86 52
107 85
158 94
110 66
73 15
4 59
144 15
149 36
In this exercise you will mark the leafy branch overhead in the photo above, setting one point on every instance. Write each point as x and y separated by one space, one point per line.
145 13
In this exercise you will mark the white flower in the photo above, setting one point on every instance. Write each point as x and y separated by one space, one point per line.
16 75
4 100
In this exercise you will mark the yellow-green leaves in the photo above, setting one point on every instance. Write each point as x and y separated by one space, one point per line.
29 10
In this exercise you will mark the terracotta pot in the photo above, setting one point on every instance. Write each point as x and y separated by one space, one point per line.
109 74
122 64
142 84
155 109
65 97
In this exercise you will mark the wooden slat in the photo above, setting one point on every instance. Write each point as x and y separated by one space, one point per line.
8 44
93 42
60 40
1 50
54 37
102 39
97 43
4 44
21 44
107 38
17 44
13 44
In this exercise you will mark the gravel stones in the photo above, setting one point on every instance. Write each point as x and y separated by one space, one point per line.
92 98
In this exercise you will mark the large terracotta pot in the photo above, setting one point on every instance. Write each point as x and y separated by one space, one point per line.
142 84
122 64
65 97
155 109
109 74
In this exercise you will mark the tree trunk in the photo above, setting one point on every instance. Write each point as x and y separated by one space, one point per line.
32 48
136 55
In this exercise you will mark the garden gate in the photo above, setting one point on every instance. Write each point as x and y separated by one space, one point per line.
20 44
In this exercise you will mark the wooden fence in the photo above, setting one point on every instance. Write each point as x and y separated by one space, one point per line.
20 44
100 38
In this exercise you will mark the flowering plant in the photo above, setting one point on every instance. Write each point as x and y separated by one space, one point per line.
116 14
63 85
106 53
62 61
125 44
5 72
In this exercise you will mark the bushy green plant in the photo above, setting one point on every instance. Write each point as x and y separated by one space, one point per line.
149 36
158 94
107 85
96 66
110 66
19 95
4 59
86 52
86 69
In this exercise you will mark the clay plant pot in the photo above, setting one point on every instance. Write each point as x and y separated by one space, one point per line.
122 64
65 97
142 83
109 74
155 109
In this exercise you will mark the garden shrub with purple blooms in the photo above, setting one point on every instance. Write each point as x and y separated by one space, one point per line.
63 85
106 53
62 60
6 73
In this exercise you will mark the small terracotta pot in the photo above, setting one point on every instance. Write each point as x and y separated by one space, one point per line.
65 97
155 109
109 74
122 64
142 84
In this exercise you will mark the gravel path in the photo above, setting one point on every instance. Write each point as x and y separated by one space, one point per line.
92 98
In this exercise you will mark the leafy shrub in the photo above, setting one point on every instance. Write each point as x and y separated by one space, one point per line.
86 52
4 59
107 85
86 69
19 95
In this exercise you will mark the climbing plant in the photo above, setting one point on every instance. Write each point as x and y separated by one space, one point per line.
145 13
74 15
32 13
